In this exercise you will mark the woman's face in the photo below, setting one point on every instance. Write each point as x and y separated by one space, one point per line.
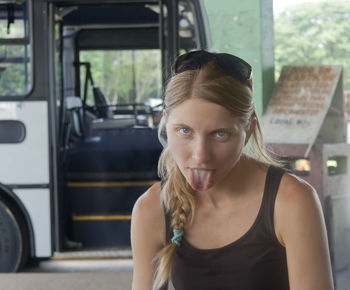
206 141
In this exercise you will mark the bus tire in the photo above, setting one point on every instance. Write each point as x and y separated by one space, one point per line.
14 242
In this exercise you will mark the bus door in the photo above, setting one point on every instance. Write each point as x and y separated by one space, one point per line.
114 60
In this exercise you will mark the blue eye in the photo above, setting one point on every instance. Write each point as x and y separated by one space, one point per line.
185 131
221 134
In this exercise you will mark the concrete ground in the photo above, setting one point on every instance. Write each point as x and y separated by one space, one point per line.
74 271
66 281
82 266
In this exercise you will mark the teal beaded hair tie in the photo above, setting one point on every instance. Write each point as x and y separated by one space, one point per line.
177 237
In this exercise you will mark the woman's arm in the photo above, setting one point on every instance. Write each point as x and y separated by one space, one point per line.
147 237
300 227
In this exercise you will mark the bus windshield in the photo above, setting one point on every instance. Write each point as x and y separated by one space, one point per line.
124 76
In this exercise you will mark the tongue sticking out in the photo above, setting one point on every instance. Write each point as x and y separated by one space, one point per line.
200 179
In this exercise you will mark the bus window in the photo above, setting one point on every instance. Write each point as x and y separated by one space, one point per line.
15 48
124 76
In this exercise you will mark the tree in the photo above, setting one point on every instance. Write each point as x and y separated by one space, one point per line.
314 34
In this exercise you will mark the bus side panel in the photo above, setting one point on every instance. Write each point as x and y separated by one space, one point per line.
25 167
37 203
26 162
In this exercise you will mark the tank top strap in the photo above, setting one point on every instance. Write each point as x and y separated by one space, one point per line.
272 183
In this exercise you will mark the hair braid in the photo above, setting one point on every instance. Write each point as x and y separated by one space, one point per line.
178 199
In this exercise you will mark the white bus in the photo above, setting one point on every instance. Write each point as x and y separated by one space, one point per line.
80 88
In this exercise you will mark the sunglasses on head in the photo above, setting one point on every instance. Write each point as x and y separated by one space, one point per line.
230 64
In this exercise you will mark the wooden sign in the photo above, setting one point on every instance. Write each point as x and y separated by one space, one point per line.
300 103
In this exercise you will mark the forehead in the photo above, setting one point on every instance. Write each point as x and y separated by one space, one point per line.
196 111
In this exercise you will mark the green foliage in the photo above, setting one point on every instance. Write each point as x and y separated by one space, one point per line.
125 76
314 34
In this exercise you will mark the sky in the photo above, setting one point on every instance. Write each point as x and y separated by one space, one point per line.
280 5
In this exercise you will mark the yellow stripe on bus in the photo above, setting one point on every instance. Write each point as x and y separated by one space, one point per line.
111 184
100 217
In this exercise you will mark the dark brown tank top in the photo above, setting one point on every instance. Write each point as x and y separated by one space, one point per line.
256 261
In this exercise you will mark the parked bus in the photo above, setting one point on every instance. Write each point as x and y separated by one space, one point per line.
81 86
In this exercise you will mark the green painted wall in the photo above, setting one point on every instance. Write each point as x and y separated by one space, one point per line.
245 28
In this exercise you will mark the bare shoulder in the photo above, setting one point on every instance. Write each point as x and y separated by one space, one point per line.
149 201
300 227
148 213
295 193
148 205
147 236
296 202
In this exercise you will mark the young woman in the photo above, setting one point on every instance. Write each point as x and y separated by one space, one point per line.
222 218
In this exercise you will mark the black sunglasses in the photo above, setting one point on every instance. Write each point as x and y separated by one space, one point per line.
230 64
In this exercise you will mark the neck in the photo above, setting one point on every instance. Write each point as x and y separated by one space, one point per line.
230 188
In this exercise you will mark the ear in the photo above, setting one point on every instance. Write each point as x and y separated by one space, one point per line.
164 113
250 129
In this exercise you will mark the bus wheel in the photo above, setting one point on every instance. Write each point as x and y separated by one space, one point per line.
13 240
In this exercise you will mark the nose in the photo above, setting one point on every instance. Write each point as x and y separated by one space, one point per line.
201 150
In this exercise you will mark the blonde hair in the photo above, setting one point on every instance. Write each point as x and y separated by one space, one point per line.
212 84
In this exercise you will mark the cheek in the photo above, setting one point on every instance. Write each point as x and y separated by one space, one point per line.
178 150
229 153
177 147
